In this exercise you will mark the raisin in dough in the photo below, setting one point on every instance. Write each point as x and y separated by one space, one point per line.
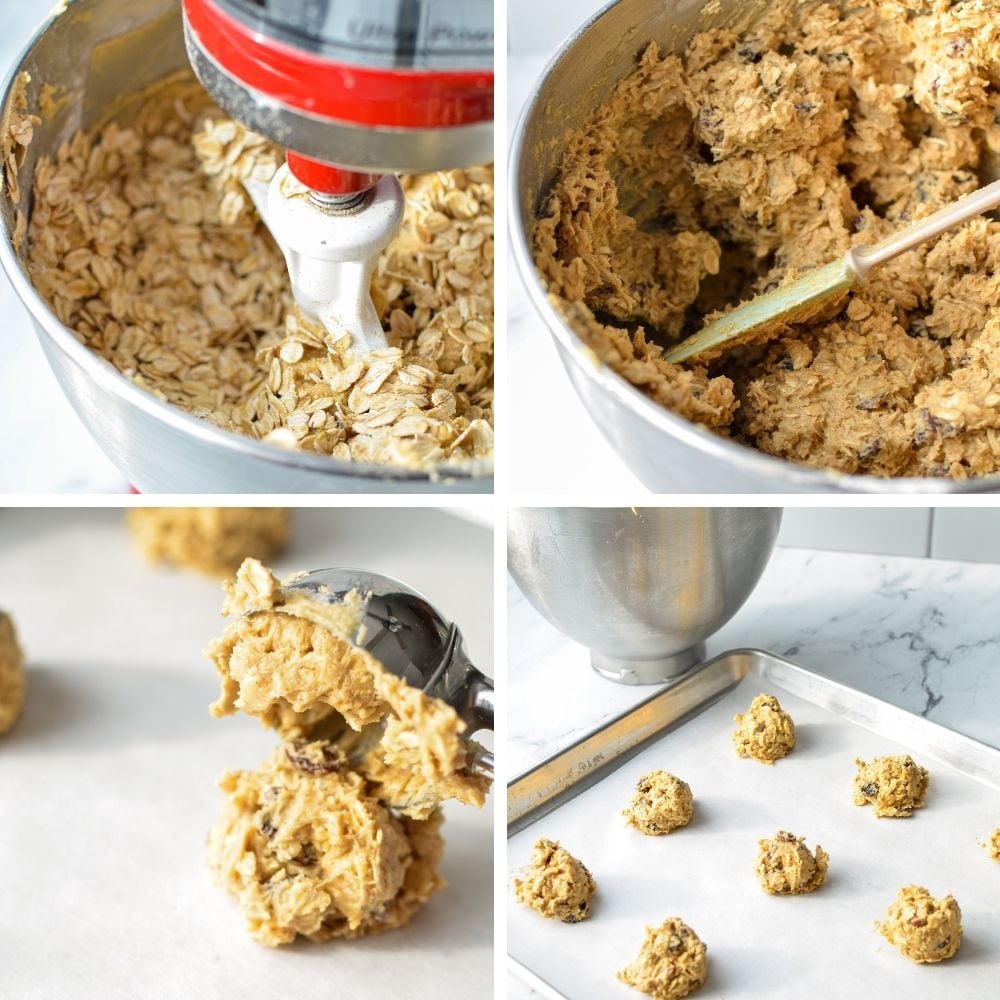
786 867
661 803
212 540
12 683
310 852
672 962
894 785
557 885
923 928
765 731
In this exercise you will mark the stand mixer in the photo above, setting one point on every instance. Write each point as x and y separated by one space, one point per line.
355 91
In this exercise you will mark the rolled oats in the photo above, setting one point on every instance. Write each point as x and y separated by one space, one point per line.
144 242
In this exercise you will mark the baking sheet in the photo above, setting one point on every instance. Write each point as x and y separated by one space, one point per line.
819 944
107 782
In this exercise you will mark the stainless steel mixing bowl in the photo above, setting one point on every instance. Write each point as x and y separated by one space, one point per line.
96 52
641 587
666 452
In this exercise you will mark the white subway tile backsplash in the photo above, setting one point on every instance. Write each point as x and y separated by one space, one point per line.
971 534
885 531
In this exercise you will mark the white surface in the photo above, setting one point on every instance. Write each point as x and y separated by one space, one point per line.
536 28
898 531
108 780
820 944
578 459
44 448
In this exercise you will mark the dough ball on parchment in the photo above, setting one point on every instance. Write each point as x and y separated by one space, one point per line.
212 540
993 844
765 731
12 683
306 850
923 928
672 962
557 885
785 865
662 802
894 785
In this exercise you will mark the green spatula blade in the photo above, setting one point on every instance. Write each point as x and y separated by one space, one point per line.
795 303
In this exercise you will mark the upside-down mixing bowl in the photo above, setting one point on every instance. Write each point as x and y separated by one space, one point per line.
665 451
97 52
642 587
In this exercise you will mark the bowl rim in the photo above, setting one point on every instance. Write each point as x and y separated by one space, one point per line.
478 474
738 456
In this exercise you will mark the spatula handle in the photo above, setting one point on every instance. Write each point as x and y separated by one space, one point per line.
863 259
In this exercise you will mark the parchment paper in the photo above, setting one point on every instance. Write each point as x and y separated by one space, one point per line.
107 783
821 944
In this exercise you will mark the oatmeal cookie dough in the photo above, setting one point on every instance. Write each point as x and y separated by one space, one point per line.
312 852
672 962
993 844
765 731
294 663
761 151
662 802
923 928
142 245
785 866
12 682
212 540
894 785
557 885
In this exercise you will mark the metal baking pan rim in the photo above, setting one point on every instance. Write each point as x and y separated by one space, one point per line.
946 746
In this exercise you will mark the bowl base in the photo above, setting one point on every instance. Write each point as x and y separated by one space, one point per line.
654 671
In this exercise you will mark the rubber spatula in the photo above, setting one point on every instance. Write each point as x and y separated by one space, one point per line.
807 296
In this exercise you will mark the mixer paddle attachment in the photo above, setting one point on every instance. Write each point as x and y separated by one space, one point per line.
331 244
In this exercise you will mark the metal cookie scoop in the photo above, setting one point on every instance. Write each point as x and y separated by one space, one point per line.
412 641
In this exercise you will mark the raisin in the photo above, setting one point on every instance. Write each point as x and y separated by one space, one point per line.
267 827
918 922
871 789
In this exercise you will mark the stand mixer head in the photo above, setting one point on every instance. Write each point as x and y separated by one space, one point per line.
354 91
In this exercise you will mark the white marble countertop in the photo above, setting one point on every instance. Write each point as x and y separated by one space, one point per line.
923 634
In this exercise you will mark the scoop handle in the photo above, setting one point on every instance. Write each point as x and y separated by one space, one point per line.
862 260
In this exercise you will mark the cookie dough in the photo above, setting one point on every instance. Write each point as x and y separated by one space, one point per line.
894 785
661 803
12 684
765 731
212 540
993 844
765 149
672 962
293 662
786 867
310 851
557 885
923 928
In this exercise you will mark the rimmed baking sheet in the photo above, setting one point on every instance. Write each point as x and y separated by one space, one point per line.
822 944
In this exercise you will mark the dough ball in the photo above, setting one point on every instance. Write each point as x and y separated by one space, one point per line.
557 885
894 785
765 731
12 684
672 962
212 540
661 803
308 851
993 845
923 928
786 867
